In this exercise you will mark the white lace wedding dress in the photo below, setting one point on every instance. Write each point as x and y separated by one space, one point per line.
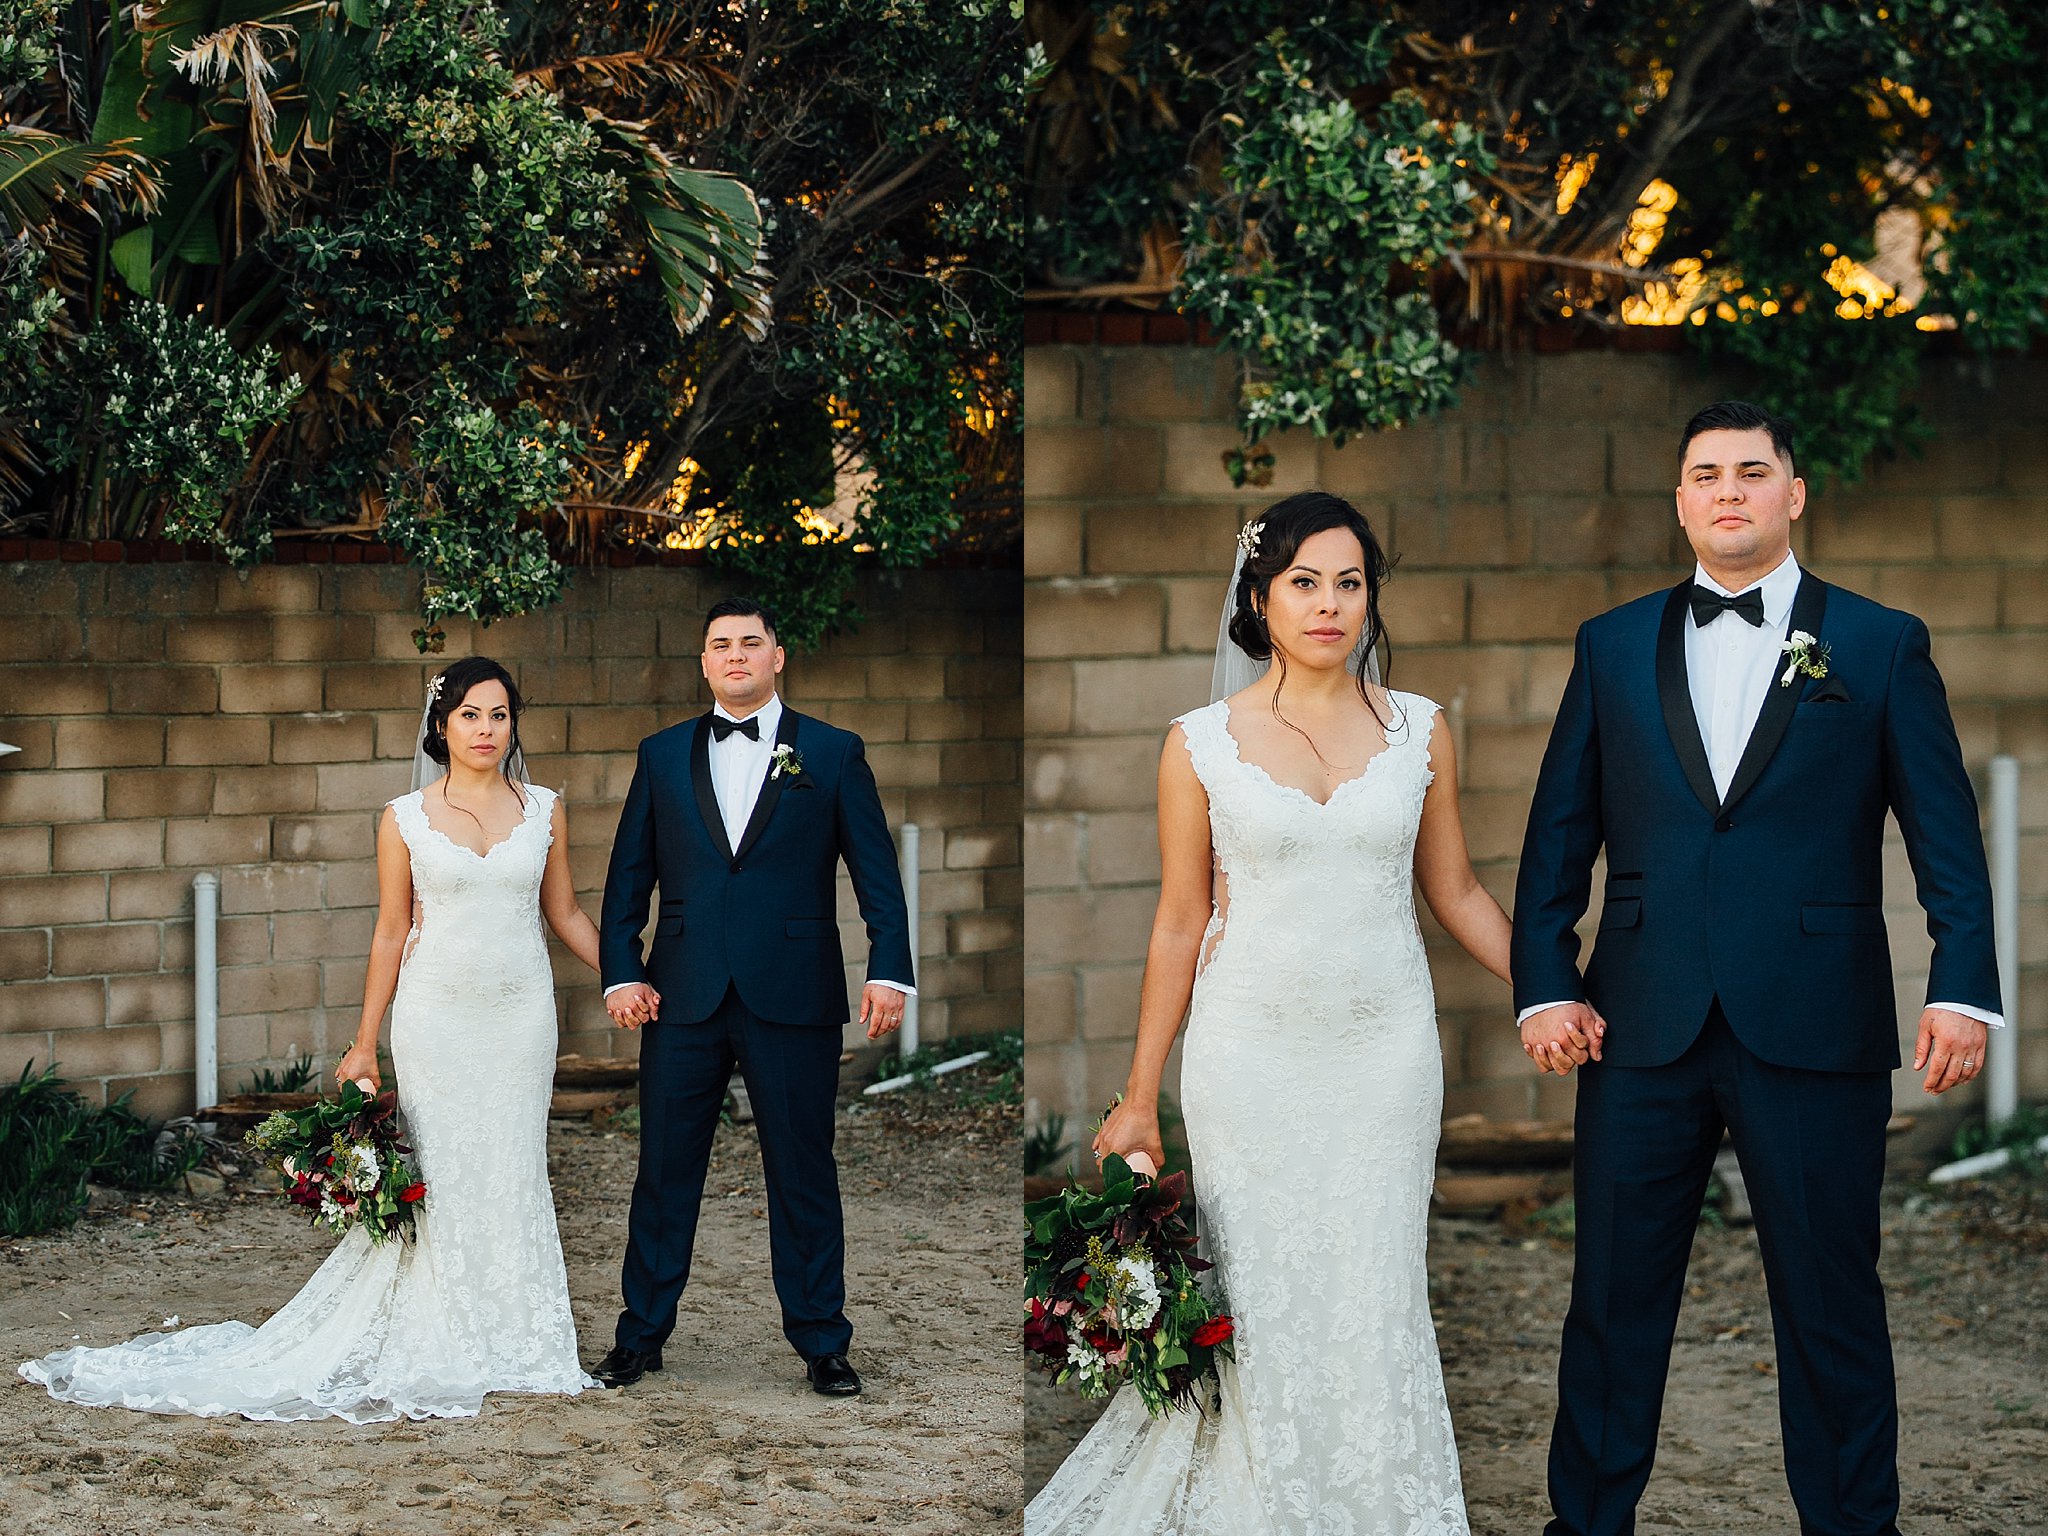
478 1300
1312 1083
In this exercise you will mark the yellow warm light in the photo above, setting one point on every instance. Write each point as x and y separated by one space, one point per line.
820 529
1662 303
1863 291
1934 323
1572 175
634 454
1646 222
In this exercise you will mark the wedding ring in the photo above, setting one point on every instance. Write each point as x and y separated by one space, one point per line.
1967 1063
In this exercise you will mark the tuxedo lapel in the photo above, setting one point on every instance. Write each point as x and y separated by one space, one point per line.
771 790
707 796
1808 604
1675 694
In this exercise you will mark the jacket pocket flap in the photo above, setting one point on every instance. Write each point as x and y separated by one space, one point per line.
1622 912
810 928
669 925
1842 919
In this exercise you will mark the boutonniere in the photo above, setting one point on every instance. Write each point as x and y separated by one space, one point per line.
786 761
1803 654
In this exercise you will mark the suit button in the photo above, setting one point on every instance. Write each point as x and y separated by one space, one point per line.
1723 824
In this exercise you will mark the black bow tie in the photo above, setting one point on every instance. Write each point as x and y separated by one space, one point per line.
1708 605
751 728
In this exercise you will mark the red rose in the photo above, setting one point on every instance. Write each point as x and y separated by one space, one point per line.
1214 1331
1081 1281
412 1192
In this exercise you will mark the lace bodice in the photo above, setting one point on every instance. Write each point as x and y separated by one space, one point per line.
1293 873
477 922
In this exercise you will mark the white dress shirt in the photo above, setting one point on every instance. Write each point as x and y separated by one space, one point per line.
739 771
1731 665
739 767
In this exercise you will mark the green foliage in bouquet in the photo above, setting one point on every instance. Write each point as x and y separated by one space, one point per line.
1113 1297
342 1159
52 1143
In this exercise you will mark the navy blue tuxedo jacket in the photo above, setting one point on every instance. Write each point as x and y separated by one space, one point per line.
759 917
1772 899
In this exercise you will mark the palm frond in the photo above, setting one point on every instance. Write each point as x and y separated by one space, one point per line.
703 231
39 170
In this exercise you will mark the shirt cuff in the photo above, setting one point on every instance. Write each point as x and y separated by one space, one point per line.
608 991
1524 1016
1982 1016
893 986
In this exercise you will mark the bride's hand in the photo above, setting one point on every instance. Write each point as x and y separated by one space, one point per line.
359 1061
1130 1128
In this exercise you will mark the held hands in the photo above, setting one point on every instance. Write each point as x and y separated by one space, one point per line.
1951 1047
1560 1038
881 1009
633 1005
1131 1129
359 1061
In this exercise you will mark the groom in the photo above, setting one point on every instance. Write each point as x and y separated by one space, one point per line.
741 817
1735 744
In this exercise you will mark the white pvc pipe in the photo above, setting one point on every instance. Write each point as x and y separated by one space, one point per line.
205 989
2002 1055
891 1084
906 1037
1983 1162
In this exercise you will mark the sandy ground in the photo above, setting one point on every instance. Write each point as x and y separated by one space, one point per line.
1968 1280
728 1439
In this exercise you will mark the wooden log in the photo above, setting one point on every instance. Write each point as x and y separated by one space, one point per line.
581 1101
1482 1194
1473 1141
573 1071
245 1111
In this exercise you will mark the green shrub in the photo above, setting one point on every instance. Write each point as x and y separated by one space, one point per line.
52 1143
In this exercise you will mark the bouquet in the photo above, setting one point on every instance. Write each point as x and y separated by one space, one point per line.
1112 1289
342 1159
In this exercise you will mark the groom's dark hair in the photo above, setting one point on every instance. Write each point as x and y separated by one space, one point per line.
1739 416
738 608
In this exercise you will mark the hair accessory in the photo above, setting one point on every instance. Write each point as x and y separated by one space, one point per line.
434 688
1248 538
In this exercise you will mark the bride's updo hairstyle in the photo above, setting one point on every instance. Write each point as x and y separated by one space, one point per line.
451 688
1283 528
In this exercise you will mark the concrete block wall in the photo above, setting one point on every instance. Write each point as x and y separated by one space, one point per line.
1542 500
181 717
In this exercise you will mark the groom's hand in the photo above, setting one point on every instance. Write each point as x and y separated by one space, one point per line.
633 1005
1560 1038
881 1009
1951 1047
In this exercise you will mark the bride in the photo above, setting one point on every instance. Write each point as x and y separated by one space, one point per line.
1296 813
468 866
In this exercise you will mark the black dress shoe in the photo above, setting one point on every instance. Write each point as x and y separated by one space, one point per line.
623 1366
833 1376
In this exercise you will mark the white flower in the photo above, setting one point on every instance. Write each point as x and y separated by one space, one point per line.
1088 1366
1806 654
367 1172
786 761
1136 1286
